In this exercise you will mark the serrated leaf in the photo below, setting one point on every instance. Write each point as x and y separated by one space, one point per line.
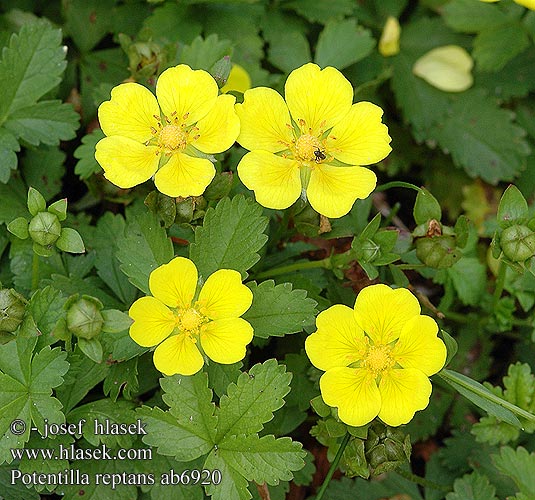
483 150
343 43
143 248
471 17
204 53
46 122
187 430
320 12
469 277
279 310
43 167
8 157
30 67
122 377
230 237
519 466
85 153
251 401
17 491
472 487
26 383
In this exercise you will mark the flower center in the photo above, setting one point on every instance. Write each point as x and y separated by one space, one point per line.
309 148
189 320
378 358
172 137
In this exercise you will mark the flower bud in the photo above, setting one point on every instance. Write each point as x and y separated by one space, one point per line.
437 251
84 318
221 71
45 228
518 243
12 310
369 250
387 448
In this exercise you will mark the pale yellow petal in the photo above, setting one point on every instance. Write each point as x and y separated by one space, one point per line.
174 283
530 4
223 295
218 130
447 68
361 138
178 354
238 80
132 112
383 312
389 42
321 98
403 393
186 94
184 175
153 321
126 162
275 180
265 121
332 191
354 392
419 347
225 340
338 341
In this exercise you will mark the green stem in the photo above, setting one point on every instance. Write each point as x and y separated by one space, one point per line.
334 466
410 266
397 184
500 282
413 478
290 268
35 271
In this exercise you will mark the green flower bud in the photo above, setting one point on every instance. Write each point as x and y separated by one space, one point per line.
84 318
369 250
437 251
387 448
12 309
45 228
221 70
518 243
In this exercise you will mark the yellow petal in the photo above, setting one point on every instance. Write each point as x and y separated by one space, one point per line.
530 4
275 180
186 94
132 112
382 312
178 354
354 392
224 296
219 129
447 68
265 121
175 283
126 162
238 80
184 175
389 42
338 340
332 191
419 347
320 97
361 138
403 393
153 321
224 340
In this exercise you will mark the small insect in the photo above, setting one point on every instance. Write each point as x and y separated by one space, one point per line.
319 155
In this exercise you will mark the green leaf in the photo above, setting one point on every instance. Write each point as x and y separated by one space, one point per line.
288 49
519 466
451 345
513 208
343 43
187 430
30 67
8 158
70 241
204 53
36 202
471 17
59 209
26 383
143 248
251 401
122 377
115 321
469 277
320 12
19 227
46 122
87 165
230 237
476 144
426 207
496 46
279 310
220 376
43 167
472 487
92 348
13 196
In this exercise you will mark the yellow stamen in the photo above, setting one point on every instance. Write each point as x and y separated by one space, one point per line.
309 148
172 138
378 359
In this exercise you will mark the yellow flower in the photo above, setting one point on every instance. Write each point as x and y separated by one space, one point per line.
238 79
312 141
167 136
530 4
185 325
377 357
